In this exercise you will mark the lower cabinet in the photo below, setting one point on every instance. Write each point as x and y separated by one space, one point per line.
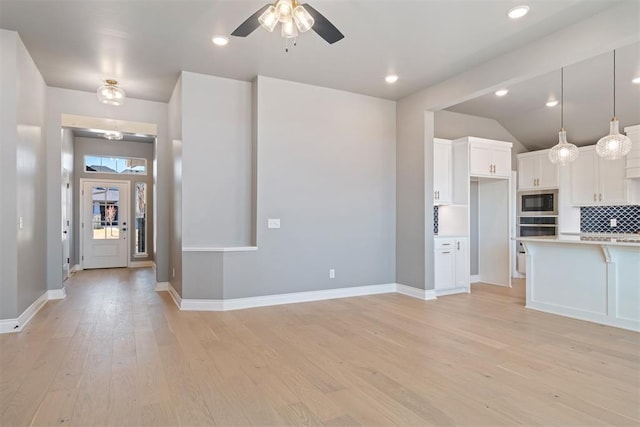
451 265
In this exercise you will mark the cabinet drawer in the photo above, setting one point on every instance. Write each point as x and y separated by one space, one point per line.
440 243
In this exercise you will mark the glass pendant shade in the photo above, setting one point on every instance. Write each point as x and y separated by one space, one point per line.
304 20
289 29
284 10
110 93
615 145
563 152
269 19
113 135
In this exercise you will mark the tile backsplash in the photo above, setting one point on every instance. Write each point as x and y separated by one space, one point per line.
435 220
597 219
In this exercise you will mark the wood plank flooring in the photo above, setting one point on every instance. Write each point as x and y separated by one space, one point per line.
115 352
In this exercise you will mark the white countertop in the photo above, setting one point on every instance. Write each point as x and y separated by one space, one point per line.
588 239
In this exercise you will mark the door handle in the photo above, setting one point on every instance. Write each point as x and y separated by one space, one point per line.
64 232
124 229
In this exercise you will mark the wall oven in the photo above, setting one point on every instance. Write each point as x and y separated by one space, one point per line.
538 203
537 226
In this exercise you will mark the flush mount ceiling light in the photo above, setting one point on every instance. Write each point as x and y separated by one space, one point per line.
502 92
391 78
552 103
518 12
294 17
563 152
113 135
110 93
615 145
220 40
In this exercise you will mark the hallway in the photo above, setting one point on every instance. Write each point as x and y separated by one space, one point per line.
115 352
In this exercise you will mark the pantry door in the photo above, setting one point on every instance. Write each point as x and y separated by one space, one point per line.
104 230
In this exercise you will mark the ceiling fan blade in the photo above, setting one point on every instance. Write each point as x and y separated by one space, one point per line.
323 27
250 25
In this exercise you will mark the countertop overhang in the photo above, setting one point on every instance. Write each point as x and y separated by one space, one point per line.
632 240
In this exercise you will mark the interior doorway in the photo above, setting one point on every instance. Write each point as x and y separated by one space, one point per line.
104 217
67 201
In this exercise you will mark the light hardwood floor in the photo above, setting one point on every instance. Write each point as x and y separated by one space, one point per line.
115 352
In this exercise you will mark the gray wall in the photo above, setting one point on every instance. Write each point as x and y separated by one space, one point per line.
175 190
22 147
102 147
326 169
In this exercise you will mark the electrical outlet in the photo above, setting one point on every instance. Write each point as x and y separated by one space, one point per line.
614 222
332 273
273 223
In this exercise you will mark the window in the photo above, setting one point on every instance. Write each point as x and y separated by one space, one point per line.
115 165
141 219
105 222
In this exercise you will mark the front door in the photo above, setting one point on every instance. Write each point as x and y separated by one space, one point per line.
105 214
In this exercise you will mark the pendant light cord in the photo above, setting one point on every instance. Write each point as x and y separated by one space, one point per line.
614 84
562 98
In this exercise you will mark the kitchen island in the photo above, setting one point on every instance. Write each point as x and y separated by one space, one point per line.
588 277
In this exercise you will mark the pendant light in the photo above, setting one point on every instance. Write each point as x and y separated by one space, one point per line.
615 145
110 93
563 152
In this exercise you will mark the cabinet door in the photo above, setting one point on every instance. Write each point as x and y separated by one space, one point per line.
501 160
444 269
441 173
584 178
527 173
461 264
547 172
612 181
480 159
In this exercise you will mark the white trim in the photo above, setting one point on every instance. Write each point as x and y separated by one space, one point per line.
559 310
53 294
174 295
153 265
16 325
423 294
140 264
162 286
474 278
453 291
76 268
221 249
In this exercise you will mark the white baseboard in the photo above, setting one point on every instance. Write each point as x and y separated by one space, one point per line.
56 293
174 295
474 279
153 265
453 291
140 264
162 286
76 268
423 294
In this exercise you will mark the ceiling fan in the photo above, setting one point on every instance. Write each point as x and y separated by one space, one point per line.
295 18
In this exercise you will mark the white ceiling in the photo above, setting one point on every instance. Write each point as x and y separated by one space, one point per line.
144 44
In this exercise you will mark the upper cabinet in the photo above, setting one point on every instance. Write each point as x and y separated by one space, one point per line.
442 171
536 172
596 181
488 158
633 158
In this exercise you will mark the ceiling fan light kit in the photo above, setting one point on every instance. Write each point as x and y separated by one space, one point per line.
615 145
295 18
110 93
563 152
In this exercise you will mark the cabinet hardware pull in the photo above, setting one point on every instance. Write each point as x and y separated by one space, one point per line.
447 252
446 244
458 245
595 199
600 197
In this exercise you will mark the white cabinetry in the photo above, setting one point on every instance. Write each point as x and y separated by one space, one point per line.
536 172
489 158
633 158
597 181
441 171
451 271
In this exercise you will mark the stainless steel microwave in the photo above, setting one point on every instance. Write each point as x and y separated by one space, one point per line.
538 203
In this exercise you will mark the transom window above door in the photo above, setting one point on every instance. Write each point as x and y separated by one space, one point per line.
115 165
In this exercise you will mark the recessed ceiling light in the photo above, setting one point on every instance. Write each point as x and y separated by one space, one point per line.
636 80
391 78
552 103
518 12
502 92
220 40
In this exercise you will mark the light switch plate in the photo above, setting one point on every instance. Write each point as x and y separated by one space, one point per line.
273 223
614 222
